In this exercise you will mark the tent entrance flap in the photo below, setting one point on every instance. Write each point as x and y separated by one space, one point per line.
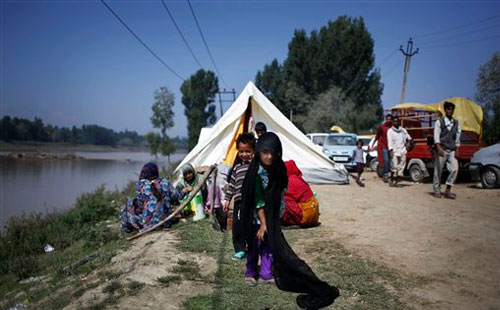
244 126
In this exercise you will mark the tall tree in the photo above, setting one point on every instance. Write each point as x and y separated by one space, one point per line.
331 108
339 55
488 95
198 96
163 119
271 82
154 141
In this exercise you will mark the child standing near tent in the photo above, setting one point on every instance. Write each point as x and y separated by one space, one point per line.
359 159
245 144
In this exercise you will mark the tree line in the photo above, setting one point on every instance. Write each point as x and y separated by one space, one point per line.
21 129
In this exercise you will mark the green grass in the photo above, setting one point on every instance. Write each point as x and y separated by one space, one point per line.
363 283
189 270
166 281
134 287
112 287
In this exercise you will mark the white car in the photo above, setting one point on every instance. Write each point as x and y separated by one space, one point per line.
317 138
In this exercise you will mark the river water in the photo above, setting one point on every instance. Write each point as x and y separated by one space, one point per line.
28 185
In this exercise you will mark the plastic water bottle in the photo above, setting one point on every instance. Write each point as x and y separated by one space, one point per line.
199 211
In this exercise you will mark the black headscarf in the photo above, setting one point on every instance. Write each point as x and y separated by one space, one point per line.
290 272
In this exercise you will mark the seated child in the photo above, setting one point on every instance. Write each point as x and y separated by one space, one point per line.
302 208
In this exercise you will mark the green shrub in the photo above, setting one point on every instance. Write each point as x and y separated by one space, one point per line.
24 238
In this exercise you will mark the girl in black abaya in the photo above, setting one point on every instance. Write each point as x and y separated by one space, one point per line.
290 272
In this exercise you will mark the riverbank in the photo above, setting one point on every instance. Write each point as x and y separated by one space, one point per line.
67 147
39 252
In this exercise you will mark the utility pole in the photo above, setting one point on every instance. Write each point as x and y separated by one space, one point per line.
409 53
221 100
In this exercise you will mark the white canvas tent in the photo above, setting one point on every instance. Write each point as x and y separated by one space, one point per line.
217 144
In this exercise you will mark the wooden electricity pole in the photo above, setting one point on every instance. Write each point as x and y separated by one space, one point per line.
408 54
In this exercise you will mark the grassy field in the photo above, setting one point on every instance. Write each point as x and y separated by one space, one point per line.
38 279
363 284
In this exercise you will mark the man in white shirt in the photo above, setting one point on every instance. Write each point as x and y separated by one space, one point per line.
397 140
446 142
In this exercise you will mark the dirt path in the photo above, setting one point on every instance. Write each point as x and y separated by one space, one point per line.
453 243
149 258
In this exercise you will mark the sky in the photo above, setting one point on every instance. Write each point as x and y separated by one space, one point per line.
72 63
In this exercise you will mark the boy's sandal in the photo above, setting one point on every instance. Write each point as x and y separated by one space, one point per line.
450 195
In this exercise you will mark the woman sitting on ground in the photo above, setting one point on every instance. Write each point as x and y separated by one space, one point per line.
153 201
190 179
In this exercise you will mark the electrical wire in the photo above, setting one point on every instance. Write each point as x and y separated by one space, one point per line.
391 70
456 27
463 42
180 33
422 44
206 45
141 41
388 57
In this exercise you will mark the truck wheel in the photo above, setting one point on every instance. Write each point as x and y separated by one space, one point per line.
416 173
374 164
490 177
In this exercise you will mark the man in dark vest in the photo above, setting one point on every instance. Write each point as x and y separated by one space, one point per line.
446 141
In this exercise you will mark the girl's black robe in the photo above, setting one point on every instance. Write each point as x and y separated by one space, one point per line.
291 273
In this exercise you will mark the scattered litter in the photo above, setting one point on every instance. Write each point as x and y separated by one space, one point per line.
48 248
18 306
33 279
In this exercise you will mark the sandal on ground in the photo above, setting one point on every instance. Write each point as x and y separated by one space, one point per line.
250 281
437 195
266 281
238 255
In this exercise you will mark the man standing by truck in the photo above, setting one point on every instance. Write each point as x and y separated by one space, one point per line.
446 142
382 148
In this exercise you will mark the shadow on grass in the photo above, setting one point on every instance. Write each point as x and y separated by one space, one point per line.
363 283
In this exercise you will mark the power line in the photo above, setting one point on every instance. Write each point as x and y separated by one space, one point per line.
463 42
388 57
205 43
180 33
459 35
391 70
142 42
456 27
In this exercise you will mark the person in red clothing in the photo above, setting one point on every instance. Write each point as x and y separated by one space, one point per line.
382 148
301 207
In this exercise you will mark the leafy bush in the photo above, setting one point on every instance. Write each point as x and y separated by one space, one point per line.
25 237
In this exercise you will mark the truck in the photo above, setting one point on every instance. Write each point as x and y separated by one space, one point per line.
419 119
